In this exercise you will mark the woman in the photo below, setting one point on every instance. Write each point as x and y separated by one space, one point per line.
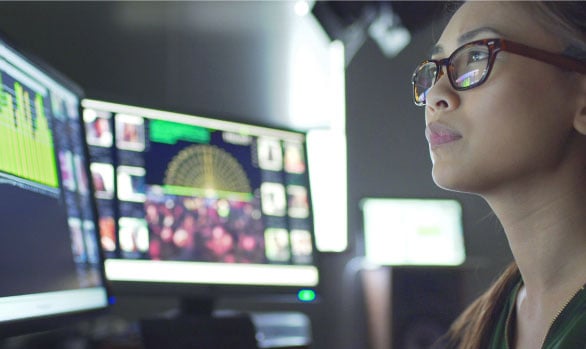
505 109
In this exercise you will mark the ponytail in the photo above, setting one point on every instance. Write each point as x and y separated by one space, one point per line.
473 328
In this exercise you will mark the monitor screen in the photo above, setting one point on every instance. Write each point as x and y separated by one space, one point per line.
49 251
421 231
194 200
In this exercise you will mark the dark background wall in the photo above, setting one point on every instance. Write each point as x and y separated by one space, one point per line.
226 59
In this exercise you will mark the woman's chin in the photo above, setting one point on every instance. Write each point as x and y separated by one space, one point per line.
451 181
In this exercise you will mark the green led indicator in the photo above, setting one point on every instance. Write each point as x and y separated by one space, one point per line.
306 295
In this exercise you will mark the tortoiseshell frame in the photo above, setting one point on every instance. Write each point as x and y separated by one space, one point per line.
495 46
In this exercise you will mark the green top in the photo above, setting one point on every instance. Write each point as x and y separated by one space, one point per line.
568 330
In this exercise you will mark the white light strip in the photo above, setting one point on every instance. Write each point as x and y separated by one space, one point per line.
326 154
191 120
211 273
42 304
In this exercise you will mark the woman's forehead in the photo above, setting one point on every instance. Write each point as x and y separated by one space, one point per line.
483 19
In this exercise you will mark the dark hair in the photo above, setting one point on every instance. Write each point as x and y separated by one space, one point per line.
441 19
474 327
567 20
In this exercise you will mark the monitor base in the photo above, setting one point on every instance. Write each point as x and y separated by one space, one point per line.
209 332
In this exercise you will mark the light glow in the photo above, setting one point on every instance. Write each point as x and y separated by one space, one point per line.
210 273
413 231
302 7
318 101
328 177
41 304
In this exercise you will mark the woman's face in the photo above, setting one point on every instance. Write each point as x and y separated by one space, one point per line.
515 127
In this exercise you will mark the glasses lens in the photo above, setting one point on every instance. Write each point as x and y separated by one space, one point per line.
423 80
469 66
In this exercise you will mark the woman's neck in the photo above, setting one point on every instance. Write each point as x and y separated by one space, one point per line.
546 230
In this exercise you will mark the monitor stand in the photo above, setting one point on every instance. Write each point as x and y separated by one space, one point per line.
195 325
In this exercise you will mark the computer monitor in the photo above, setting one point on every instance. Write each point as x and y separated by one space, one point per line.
51 265
200 207
413 231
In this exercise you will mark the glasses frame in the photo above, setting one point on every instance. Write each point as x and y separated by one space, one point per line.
494 47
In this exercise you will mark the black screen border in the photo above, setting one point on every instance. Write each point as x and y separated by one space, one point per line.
217 292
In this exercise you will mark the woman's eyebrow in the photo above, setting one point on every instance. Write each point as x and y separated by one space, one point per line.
466 38
470 35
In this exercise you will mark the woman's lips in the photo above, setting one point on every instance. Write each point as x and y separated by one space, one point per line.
438 134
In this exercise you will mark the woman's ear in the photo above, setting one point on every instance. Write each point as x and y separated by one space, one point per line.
580 117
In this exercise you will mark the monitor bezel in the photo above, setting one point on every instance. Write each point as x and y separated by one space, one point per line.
215 291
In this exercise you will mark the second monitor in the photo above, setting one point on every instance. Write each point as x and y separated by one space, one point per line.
196 201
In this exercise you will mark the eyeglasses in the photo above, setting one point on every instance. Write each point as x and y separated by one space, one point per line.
470 65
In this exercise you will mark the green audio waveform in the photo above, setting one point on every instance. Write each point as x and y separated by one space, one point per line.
26 143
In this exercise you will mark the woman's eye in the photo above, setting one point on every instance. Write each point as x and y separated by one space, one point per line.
477 56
